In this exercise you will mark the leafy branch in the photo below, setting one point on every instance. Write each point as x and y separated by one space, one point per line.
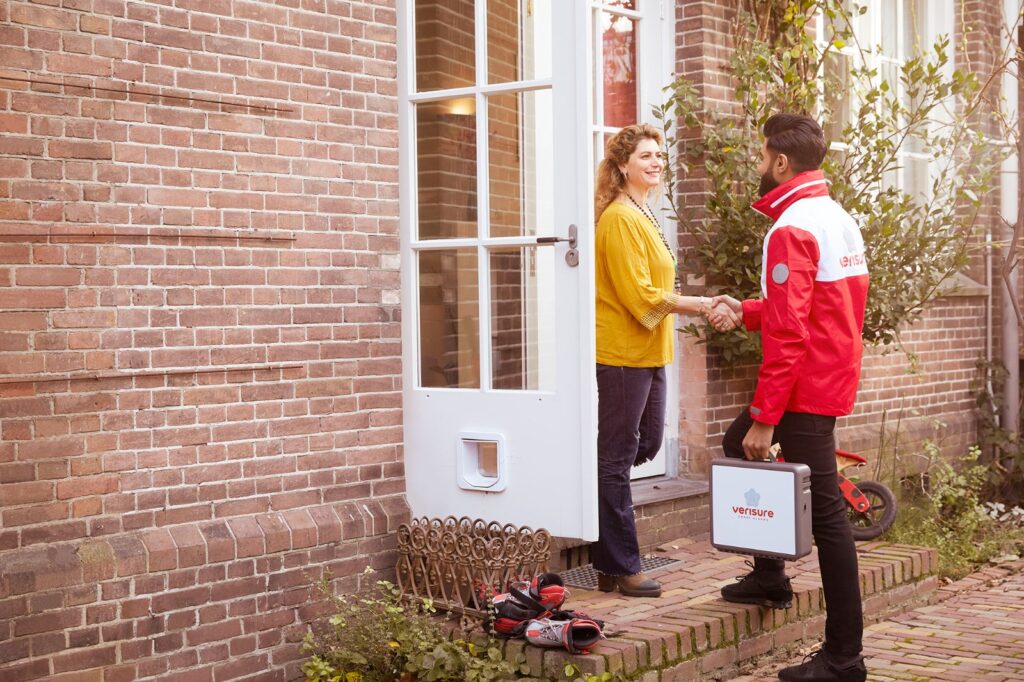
916 238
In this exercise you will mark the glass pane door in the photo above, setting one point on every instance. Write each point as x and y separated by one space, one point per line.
497 322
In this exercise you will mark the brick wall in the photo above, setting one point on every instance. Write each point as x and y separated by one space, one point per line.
932 399
199 330
704 29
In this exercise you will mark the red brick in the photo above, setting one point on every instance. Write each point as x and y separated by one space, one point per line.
47 622
214 632
14 650
160 550
87 485
26 493
81 660
220 543
97 560
275 531
44 17
191 545
33 670
81 150
303 529
129 555
249 539
172 601
241 667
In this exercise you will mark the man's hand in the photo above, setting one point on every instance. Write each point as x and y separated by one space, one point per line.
722 318
758 440
726 313
731 302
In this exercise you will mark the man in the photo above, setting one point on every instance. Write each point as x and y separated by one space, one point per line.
814 285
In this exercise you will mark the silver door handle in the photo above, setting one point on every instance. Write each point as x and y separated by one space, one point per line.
572 256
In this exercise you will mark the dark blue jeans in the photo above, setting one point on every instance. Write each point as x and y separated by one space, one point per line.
810 439
630 426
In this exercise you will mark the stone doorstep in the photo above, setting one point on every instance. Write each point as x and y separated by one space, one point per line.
690 633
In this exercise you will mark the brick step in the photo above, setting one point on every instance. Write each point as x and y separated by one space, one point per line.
665 509
690 633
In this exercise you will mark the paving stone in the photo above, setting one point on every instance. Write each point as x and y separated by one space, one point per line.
976 633
691 633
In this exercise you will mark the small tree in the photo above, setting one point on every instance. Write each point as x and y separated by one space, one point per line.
914 243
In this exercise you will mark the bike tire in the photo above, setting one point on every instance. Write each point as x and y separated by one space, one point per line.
869 525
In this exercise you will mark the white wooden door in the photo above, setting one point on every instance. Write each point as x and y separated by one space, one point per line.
498 309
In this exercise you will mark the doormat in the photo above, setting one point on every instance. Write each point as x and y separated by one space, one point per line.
585 577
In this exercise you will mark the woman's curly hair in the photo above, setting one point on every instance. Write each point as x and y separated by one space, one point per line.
610 181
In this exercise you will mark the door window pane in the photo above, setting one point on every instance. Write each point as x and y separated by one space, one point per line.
619 69
444 44
446 168
518 40
523 318
449 319
521 163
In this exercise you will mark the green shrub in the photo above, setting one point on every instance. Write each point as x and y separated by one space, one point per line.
376 635
943 508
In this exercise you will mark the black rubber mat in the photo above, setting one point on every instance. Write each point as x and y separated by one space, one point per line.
585 577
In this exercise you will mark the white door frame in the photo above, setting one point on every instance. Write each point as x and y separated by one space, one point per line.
655 68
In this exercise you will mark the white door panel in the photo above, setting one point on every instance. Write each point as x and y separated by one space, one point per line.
498 359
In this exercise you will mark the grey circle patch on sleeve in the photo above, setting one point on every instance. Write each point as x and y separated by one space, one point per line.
780 273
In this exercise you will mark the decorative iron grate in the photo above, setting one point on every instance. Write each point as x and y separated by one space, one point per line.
460 563
585 577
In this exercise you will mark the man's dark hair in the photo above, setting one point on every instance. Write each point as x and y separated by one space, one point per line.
797 136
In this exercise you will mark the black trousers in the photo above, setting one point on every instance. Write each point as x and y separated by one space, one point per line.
630 426
810 439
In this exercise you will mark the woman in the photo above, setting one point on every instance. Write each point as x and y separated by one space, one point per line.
635 299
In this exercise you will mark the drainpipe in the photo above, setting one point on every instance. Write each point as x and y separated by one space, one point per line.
1010 186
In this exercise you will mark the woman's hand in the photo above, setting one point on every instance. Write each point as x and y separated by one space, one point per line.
725 314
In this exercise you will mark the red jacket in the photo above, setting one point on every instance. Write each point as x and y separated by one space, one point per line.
814 286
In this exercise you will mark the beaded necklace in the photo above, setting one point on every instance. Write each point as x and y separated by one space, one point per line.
649 214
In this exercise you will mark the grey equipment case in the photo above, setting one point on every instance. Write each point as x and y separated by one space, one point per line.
761 508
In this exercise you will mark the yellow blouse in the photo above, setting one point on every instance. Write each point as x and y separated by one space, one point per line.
635 279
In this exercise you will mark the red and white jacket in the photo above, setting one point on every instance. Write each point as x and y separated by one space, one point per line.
814 286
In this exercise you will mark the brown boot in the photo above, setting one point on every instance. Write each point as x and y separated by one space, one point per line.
637 585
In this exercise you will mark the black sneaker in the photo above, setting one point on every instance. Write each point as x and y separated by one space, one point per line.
757 588
817 668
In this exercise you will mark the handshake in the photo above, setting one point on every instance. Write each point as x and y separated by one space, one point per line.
724 313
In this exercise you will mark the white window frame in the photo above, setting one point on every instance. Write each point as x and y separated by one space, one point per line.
938 19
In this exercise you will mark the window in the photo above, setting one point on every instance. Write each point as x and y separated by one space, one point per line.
889 32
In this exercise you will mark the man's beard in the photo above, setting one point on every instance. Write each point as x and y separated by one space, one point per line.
768 183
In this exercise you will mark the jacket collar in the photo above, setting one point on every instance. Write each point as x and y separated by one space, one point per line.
810 183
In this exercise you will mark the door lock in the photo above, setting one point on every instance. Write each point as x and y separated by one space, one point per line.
572 256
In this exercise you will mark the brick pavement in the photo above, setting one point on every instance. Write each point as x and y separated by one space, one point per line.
976 633
690 633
